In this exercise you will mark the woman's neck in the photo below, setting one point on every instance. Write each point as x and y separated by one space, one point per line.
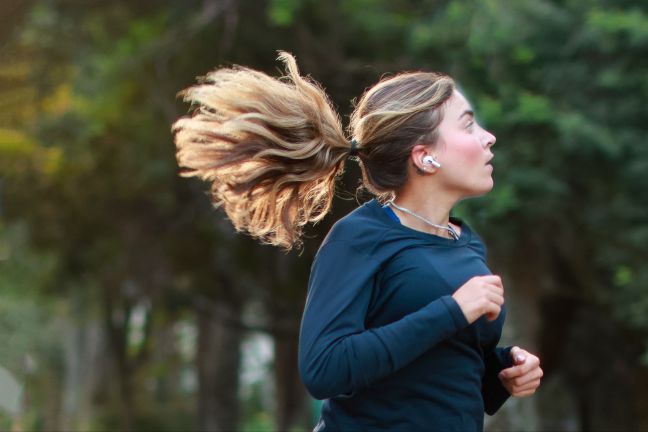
432 205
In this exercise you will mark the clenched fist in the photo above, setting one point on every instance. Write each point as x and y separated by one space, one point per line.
481 295
523 378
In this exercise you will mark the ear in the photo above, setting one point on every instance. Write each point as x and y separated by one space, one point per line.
419 151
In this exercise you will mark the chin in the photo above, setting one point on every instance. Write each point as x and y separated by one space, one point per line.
479 191
491 183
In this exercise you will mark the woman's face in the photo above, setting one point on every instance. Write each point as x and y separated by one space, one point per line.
464 150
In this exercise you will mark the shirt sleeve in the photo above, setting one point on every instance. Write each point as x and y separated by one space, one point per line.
493 392
338 355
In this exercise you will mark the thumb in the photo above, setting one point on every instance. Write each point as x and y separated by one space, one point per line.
518 355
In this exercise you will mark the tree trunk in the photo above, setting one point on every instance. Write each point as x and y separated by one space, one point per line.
84 344
290 394
218 358
116 317
285 310
523 285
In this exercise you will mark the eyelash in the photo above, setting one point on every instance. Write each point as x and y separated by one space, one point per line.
470 125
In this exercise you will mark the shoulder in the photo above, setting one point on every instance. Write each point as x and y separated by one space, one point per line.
370 232
360 229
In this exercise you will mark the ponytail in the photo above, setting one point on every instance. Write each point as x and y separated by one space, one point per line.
271 148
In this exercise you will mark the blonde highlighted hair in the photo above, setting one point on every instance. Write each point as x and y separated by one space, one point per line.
273 148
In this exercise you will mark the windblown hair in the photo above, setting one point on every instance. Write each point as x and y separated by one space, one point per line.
273 148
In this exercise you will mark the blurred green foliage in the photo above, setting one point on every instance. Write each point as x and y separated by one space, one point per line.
96 224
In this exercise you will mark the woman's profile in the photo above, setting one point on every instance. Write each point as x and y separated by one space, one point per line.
403 316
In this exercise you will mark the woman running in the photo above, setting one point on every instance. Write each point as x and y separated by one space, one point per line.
403 316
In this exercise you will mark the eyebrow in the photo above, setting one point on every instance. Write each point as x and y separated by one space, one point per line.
467 112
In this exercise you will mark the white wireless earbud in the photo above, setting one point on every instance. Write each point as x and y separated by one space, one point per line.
429 160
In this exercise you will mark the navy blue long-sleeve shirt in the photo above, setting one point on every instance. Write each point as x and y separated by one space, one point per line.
382 339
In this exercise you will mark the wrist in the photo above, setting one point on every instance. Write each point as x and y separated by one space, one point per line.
457 313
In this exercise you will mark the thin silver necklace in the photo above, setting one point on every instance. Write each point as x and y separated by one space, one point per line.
448 228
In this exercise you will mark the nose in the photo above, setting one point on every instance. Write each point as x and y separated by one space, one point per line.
488 139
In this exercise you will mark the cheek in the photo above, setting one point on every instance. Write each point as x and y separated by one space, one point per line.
465 151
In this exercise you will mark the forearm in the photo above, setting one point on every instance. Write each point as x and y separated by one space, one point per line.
493 392
332 364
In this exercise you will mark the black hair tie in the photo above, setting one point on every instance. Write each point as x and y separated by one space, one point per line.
353 151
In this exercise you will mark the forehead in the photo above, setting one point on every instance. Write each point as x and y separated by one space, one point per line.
457 105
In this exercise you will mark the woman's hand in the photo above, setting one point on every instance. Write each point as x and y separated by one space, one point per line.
481 295
522 379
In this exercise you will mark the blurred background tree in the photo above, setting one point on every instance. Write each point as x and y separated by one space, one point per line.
129 303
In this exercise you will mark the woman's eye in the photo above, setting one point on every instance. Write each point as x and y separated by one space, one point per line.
470 125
